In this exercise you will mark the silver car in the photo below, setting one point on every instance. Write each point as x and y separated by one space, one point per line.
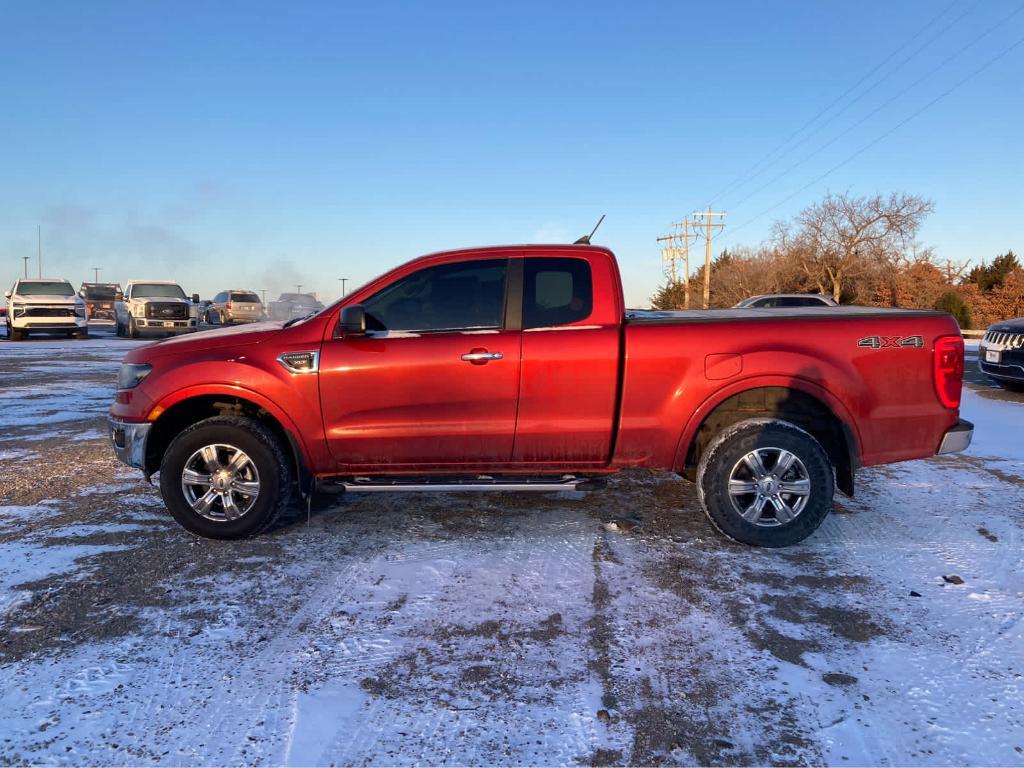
788 300
234 306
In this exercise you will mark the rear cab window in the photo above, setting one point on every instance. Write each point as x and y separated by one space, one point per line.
556 292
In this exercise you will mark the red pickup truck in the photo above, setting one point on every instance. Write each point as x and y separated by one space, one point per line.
519 368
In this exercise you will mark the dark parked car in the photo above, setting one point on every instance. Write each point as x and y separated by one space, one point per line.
291 305
1001 354
788 301
99 302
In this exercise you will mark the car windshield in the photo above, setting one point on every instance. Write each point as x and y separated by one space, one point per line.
157 291
100 292
251 298
45 288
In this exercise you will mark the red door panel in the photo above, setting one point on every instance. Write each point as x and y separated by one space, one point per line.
412 399
567 395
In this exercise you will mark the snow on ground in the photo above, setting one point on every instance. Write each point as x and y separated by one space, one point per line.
505 628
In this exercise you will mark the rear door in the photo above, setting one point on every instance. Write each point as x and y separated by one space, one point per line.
570 364
435 380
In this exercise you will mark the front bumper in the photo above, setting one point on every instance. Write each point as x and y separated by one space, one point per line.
957 438
129 441
144 327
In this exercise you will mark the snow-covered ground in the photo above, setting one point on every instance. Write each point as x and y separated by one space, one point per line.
499 629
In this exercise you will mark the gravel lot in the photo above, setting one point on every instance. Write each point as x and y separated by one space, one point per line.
504 628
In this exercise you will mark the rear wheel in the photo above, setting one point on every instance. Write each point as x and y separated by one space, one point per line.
766 483
226 477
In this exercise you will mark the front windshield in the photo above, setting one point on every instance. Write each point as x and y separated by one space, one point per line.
45 288
100 292
157 291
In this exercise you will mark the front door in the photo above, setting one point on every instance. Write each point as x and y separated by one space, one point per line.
435 380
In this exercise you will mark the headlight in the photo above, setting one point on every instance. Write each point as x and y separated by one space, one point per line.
131 374
19 309
139 310
79 310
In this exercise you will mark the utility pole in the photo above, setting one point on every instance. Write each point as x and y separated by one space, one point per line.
39 245
708 225
26 259
343 281
263 291
96 274
298 288
671 253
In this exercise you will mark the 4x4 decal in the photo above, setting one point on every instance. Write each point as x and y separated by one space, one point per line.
891 342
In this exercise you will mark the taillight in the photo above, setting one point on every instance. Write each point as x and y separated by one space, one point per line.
229 305
949 369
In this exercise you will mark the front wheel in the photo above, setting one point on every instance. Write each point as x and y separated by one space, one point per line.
133 331
226 477
1012 386
766 483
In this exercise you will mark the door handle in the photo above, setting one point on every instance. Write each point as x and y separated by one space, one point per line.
479 357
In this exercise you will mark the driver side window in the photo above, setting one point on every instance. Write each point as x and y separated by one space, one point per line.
468 295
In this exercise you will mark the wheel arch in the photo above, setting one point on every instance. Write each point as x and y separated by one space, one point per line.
177 413
799 402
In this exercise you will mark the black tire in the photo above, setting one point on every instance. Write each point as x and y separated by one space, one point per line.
723 461
133 332
1012 386
15 335
263 449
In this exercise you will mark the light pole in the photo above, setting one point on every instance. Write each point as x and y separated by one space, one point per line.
263 291
298 288
25 259
343 281
96 274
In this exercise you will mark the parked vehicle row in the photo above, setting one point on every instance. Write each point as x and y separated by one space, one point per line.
143 308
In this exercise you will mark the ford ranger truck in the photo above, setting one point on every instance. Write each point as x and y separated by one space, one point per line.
519 368
44 306
155 307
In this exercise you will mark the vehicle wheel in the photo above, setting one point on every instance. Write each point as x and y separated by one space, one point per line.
209 317
766 483
226 477
133 332
81 334
14 334
1013 386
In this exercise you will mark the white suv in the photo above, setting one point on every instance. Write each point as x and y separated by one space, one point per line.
45 306
155 307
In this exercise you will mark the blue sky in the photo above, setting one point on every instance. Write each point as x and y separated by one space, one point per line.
261 145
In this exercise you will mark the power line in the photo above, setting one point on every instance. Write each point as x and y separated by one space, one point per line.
881 106
749 174
1006 51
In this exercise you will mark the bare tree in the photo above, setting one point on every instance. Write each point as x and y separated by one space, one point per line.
842 239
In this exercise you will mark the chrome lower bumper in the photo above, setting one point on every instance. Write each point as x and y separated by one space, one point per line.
129 441
957 438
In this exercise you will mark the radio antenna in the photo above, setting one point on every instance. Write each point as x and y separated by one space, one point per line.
585 240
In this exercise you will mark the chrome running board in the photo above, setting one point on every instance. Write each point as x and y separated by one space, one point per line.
448 484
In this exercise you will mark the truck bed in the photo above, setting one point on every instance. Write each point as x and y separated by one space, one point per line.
688 316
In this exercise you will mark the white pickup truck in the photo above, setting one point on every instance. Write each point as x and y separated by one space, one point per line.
151 307
44 306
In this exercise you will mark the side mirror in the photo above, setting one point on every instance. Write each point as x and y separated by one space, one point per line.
195 298
352 321
7 295
118 296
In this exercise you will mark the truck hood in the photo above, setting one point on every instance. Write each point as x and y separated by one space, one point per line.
234 336
35 299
